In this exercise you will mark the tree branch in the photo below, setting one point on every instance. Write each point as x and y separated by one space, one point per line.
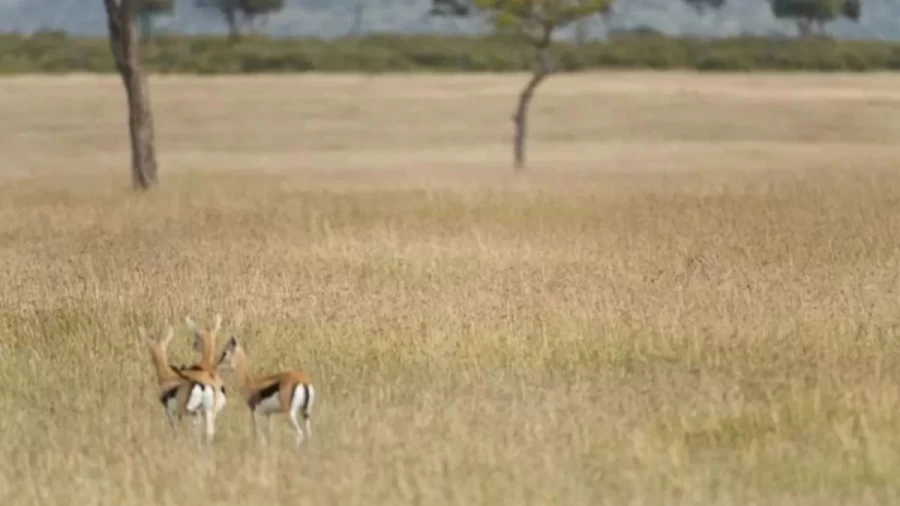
113 18
545 62
119 15
542 44
112 8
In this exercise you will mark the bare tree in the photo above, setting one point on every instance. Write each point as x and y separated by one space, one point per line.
123 41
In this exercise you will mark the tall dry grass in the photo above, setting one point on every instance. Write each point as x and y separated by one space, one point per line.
691 300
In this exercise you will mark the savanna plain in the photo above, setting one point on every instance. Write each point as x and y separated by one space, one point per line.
690 297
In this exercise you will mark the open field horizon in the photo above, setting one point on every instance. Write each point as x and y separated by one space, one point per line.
689 298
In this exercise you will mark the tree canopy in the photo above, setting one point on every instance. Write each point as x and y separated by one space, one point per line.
812 15
238 13
702 5
538 19
156 7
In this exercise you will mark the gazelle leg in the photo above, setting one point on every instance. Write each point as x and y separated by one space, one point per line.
269 427
196 430
307 425
196 427
183 428
305 409
300 435
171 421
257 435
210 418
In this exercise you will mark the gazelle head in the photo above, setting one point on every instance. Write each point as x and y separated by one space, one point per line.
205 340
202 337
228 356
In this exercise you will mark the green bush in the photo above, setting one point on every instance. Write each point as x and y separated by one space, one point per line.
56 52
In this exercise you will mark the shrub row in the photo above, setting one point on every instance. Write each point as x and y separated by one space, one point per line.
54 52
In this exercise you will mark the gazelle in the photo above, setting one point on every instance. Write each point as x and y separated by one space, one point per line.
182 392
205 344
290 392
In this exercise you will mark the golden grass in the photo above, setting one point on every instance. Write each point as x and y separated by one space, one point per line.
691 299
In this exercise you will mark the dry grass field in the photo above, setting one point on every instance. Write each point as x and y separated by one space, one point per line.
691 298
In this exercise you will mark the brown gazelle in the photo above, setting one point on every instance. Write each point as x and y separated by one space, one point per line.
183 392
288 392
205 344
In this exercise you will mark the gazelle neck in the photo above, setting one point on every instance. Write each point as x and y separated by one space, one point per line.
207 353
164 373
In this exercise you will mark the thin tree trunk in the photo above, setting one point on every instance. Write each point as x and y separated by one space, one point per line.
123 39
520 118
231 19
820 27
140 126
805 27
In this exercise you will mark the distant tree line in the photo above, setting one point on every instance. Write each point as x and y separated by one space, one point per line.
240 16
640 48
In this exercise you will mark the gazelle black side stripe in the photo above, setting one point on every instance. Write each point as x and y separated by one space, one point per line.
168 394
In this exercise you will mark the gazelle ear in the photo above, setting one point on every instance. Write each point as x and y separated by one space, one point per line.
225 354
217 323
191 324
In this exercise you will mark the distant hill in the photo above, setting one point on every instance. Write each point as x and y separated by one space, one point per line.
335 18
